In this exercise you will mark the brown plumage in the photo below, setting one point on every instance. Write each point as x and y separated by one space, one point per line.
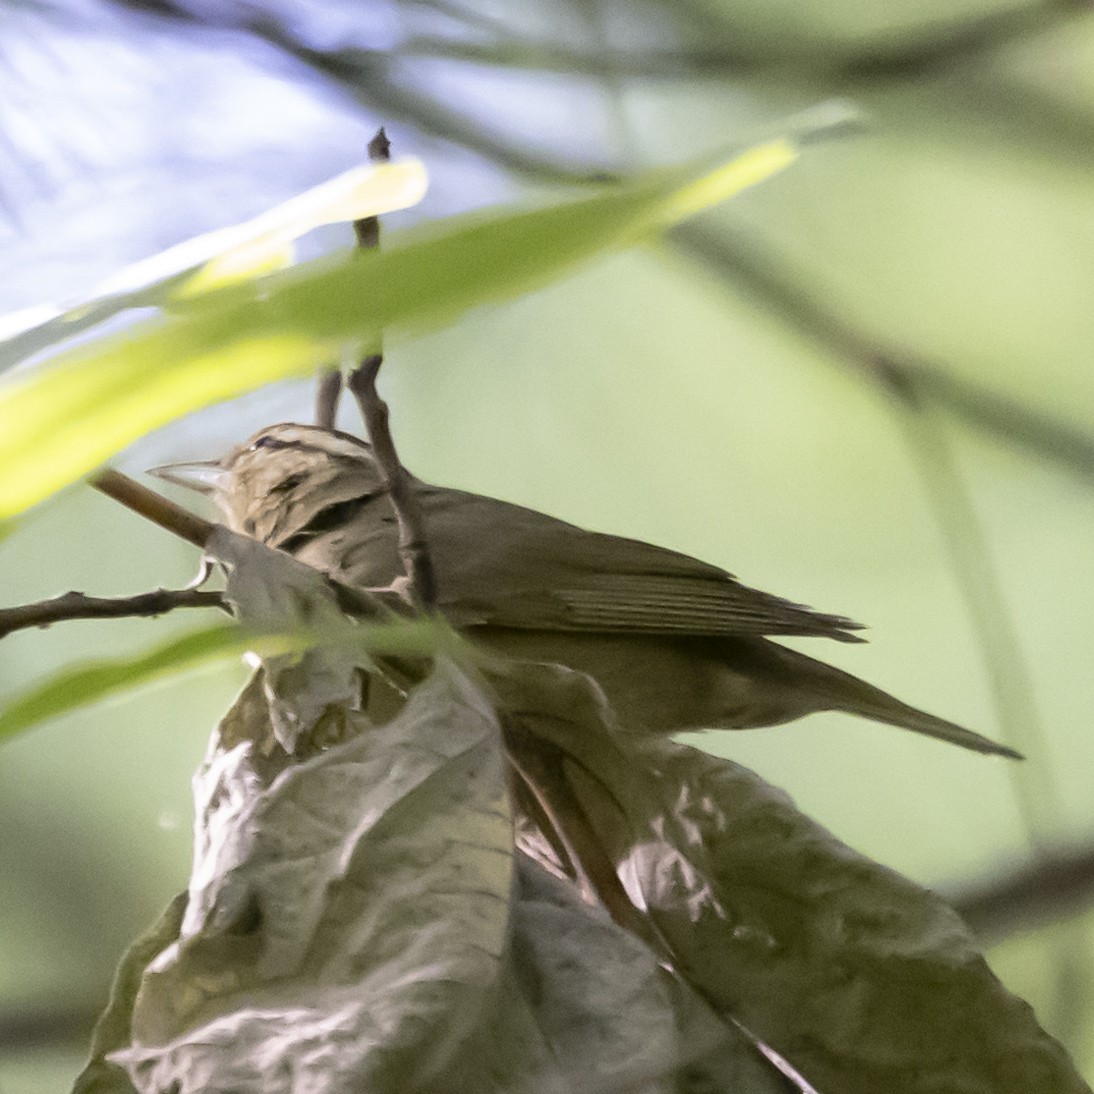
674 642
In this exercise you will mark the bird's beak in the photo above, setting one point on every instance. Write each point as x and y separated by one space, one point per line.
200 476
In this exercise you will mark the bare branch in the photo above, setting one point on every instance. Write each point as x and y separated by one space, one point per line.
370 604
327 396
540 768
928 59
916 388
74 605
367 231
154 507
413 546
1035 789
1059 884
62 1022
743 262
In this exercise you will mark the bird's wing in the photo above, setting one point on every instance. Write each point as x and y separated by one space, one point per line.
657 603
529 570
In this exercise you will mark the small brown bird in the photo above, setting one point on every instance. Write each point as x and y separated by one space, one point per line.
674 642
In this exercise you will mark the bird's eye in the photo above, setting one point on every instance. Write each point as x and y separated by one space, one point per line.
290 482
265 441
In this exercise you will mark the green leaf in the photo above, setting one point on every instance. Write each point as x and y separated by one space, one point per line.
239 252
62 420
81 685
860 980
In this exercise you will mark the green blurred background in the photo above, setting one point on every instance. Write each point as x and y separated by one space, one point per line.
732 408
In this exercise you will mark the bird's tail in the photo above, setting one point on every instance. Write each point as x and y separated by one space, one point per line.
842 691
895 713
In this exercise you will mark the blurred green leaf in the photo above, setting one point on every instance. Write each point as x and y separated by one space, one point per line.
208 261
64 419
81 685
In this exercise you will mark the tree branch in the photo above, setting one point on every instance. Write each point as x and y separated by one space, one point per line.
413 546
327 396
1059 884
367 229
370 604
64 1022
1035 789
368 237
741 261
152 506
74 605
916 389
539 767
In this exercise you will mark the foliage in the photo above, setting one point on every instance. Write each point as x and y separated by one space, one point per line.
62 419
241 337
358 916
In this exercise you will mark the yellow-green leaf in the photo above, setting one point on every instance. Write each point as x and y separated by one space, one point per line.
81 685
226 255
62 420
265 243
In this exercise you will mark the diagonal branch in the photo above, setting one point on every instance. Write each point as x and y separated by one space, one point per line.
368 603
413 546
916 388
154 507
327 396
1056 886
367 229
539 767
741 261
1035 789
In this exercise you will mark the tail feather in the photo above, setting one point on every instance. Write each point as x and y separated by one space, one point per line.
837 690
895 713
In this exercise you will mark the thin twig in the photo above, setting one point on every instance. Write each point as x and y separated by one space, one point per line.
916 388
530 797
370 604
742 261
413 546
74 605
527 800
327 396
539 765
1056 886
1036 790
154 507
65 1022
367 230
886 60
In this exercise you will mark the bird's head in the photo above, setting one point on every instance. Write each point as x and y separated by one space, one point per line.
277 481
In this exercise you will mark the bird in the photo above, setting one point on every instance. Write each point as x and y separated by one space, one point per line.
674 643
